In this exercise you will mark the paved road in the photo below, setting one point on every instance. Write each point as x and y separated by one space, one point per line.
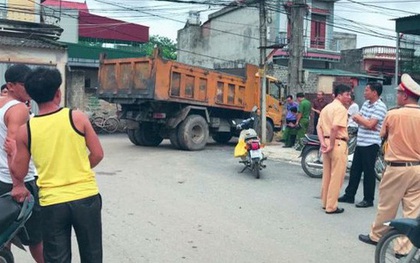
163 205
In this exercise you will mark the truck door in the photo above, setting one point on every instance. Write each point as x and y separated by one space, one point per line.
274 108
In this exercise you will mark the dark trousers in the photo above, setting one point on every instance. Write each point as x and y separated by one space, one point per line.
84 216
363 162
289 134
316 118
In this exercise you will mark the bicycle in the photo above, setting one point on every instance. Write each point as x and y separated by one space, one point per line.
108 124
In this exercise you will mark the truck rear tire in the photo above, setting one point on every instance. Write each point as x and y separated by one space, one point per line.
149 135
134 136
145 135
193 133
173 137
222 137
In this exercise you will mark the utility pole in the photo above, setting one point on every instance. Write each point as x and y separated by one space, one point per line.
296 46
397 60
263 44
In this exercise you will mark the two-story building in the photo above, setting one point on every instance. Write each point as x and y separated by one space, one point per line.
65 35
376 61
86 36
228 40
25 38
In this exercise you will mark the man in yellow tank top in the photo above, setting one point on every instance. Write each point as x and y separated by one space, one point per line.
58 139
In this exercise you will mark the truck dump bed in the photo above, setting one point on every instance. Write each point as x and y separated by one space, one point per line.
134 80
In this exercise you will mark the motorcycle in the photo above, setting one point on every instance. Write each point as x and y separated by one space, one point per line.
311 161
248 148
401 243
12 220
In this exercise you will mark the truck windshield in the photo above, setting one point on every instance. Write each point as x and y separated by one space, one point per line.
274 89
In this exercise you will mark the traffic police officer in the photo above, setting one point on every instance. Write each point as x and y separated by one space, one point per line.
401 180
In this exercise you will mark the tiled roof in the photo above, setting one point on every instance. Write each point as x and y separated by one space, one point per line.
99 27
28 42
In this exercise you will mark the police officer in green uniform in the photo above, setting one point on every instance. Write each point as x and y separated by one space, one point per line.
304 112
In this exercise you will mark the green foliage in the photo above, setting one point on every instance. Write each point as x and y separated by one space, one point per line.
412 66
416 64
166 46
93 103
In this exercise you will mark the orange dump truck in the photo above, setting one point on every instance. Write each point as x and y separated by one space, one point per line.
164 99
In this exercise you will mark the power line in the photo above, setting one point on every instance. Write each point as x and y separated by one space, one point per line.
175 20
382 7
369 32
345 27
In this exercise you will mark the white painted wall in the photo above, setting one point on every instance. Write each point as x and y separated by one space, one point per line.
231 41
34 57
68 20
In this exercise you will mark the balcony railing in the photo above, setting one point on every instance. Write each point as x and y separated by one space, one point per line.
387 53
318 42
30 23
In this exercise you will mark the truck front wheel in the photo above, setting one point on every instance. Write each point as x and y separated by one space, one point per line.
222 137
193 133
269 131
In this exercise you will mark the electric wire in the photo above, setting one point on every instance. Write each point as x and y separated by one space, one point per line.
273 8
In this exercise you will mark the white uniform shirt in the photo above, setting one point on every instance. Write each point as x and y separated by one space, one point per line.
353 109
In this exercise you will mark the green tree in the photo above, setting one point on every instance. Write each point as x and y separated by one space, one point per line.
410 66
416 64
165 44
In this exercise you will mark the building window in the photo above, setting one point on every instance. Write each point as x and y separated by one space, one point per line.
318 28
87 83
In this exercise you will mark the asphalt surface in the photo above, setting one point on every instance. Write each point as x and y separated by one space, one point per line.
164 205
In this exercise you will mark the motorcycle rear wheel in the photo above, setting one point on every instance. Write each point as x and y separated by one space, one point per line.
256 168
311 154
386 248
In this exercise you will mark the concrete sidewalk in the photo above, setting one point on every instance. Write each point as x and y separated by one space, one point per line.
275 151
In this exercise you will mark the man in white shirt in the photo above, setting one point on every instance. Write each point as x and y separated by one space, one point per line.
13 114
352 110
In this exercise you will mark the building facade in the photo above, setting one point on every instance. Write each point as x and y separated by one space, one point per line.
225 40
87 36
25 38
378 61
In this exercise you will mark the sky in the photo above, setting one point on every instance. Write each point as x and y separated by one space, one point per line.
371 20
